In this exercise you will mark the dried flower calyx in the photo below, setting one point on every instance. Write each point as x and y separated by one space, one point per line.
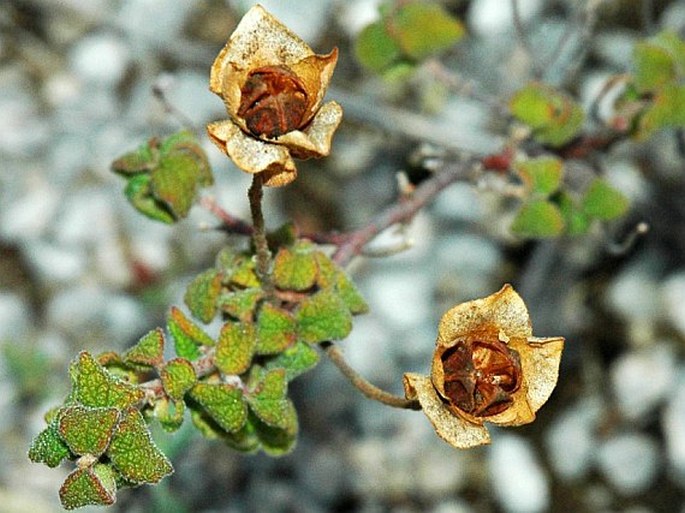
273 86
487 366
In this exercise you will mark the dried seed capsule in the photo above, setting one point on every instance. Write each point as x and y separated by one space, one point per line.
273 101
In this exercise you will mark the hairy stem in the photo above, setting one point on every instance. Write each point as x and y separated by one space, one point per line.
368 389
263 254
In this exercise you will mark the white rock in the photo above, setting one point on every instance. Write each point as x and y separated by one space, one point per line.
489 17
673 293
634 294
153 21
54 262
28 216
642 379
453 506
673 422
14 317
615 48
468 254
570 440
518 481
630 462
23 132
459 202
401 297
100 58
357 14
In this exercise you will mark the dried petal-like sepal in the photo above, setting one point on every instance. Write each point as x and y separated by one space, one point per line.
273 86
487 366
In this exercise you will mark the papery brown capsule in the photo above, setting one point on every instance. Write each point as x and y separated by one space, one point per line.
273 101
481 376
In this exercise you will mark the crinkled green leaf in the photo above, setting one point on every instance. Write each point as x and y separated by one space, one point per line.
295 268
375 48
93 386
333 277
89 486
603 202
48 447
169 413
268 399
114 364
87 430
134 454
538 219
278 441
188 336
202 294
667 110
276 330
141 160
244 274
422 29
541 175
575 220
553 115
323 316
138 191
296 360
235 347
654 67
244 440
223 402
178 377
241 304
149 351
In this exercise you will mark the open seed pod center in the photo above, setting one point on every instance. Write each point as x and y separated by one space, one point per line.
480 377
273 101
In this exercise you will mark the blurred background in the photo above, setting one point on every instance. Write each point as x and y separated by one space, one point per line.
81 270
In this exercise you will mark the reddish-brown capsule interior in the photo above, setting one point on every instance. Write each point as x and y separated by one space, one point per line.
480 377
273 101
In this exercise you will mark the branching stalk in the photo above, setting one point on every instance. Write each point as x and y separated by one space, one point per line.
262 252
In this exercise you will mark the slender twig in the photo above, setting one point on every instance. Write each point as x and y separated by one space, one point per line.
368 389
259 235
229 223
355 241
522 37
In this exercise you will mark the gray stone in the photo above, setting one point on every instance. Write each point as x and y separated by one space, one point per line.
673 422
629 462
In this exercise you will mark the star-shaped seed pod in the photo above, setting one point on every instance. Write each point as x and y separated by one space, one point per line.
273 86
487 366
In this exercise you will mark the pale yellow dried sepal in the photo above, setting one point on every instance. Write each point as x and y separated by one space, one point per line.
455 430
540 367
315 140
253 155
502 313
315 72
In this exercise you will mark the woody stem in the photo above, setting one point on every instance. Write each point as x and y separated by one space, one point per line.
368 389
262 252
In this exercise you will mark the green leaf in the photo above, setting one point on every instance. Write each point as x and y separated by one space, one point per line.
538 219
245 440
141 160
575 220
278 441
87 430
202 294
603 202
375 49
542 175
295 269
667 110
275 330
93 386
332 276
223 402
323 316
48 447
169 413
654 67
244 274
89 486
134 454
423 29
138 191
235 347
241 304
149 351
296 360
553 115
185 142
188 336
268 399
178 377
